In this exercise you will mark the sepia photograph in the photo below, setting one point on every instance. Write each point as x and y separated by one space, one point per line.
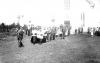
49 31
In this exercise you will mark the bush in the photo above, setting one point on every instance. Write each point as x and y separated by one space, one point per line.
3 35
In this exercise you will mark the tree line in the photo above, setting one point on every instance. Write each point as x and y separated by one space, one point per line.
7 28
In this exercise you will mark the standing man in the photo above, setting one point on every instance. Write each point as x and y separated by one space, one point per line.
20 34
63 30
92 33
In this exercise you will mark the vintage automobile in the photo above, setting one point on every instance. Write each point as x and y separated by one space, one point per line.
38 37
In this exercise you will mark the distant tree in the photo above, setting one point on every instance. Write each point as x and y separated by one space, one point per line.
13 25
2 27
7 28
18 26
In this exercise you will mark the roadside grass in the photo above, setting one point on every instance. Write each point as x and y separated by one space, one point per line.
5 35
73 49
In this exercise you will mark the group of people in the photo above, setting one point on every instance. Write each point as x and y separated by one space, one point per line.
46 35
42 35
79 30
94 31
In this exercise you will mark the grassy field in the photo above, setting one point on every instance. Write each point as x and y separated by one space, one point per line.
4 35
73 49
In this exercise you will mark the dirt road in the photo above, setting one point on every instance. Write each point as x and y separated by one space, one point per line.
73 49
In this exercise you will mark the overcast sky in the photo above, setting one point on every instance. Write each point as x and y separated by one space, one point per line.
92 15
38 11
44 11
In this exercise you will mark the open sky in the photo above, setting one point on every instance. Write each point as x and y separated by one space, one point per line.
38 11
92 15
44 11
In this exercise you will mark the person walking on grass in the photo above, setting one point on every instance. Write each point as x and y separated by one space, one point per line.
20 34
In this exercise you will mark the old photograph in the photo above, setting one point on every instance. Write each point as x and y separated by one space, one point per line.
49 31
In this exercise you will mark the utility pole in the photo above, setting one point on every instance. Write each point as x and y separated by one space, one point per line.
83 19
